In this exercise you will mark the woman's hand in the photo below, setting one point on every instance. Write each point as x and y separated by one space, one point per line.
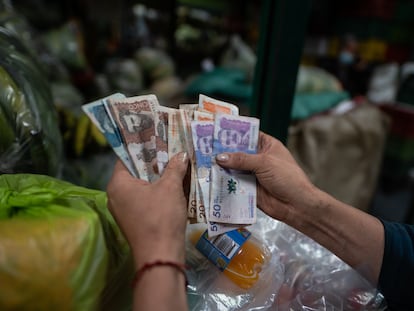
153 216
282 185
285 193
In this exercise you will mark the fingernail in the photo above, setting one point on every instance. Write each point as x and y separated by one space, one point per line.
182 156
222 157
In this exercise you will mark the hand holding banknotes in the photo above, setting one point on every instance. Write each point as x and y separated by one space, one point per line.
279 177
233 169
153 218
285 193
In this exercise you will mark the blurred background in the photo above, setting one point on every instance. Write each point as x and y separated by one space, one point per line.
333 80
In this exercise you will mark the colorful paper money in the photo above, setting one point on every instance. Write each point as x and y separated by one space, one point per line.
175 140
161 118
233 193
212 105
134 117
97 113
145 135
203 116
202 132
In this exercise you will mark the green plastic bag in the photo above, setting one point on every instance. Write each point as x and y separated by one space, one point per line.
60 249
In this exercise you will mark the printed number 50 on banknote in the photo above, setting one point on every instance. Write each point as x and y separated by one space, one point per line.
233 193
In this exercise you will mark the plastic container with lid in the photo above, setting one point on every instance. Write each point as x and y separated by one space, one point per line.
240 255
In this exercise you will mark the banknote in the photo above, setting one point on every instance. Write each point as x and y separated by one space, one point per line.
145 135
216 228
200 207
134 117
177 144
188 114
161 117
202 133
97 113
190 108
185 131
194 199
216 106
203 116
175 139
233 193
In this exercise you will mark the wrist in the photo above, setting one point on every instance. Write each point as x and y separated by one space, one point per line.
313 204
169 252
322 218
157 264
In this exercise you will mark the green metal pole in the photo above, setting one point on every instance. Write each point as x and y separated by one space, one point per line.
282 35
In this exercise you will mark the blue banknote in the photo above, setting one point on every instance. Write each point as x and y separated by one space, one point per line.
97 112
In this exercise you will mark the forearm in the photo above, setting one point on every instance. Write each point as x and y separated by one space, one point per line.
160 288
354 236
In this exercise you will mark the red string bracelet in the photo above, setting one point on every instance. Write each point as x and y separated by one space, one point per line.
178 266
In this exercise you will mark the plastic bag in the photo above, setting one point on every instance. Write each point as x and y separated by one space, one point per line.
60 248
211 289
30 140
315 279
302 275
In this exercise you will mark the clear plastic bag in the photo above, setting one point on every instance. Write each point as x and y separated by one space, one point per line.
301 275
211 289
316 279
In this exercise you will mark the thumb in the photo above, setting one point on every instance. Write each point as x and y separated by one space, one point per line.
176 168
239 161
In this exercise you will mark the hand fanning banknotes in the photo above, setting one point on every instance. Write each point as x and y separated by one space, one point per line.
145 135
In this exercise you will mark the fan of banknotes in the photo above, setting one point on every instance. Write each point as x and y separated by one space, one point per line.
145 135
